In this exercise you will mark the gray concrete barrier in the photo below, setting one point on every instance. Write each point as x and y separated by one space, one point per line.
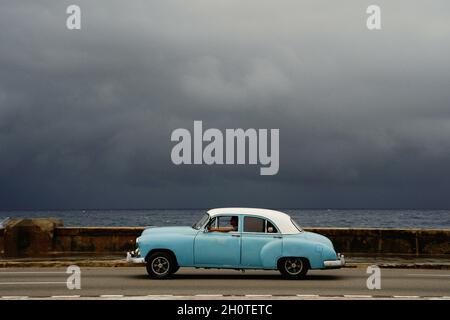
93 240
101 241
29 237
385 242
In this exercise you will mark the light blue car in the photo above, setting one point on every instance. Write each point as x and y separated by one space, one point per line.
236 238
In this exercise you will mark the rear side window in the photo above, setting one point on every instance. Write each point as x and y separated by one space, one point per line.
271 228
252 224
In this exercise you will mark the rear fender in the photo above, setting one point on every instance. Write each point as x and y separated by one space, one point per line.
294 247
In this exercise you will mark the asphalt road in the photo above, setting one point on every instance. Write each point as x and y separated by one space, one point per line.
115 283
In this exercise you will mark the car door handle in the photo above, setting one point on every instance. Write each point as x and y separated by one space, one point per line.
235 235
277 237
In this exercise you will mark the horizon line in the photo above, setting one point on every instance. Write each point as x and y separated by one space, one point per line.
208 208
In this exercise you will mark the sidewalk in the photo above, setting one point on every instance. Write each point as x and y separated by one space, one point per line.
119 261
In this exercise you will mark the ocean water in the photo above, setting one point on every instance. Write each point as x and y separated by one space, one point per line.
305 217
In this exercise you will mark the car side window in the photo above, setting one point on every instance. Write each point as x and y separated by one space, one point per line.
253 224
224 224
271 228
212 223
223 221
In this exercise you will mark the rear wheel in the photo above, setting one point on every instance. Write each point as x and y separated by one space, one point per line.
161 265
293 267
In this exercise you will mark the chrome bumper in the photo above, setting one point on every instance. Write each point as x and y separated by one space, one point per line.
133 259
339 263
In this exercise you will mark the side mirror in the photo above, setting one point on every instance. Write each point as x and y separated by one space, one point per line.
205 230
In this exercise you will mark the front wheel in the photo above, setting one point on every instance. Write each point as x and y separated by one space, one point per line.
160 265
175 269
293 268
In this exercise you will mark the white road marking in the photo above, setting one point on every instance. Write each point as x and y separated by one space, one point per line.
111 296
357 296
308 295
258 295
209 295
61 297
31 272
14 297
33 282
428 275
406 297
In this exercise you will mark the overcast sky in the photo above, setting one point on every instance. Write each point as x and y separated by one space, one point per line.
86 116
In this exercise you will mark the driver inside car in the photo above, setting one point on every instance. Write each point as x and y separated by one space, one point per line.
233 226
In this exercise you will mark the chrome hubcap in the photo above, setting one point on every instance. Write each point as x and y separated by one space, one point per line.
160 265
293 266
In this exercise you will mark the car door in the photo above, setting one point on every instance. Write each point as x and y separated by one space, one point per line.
261 243
218 249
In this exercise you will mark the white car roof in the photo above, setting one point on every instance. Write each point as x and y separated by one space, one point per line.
281 220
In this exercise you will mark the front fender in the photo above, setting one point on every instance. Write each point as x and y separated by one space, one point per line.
181 245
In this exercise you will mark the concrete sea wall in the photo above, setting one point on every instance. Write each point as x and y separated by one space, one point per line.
47 237
103 240
384 242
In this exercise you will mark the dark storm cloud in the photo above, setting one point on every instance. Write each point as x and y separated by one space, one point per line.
86 116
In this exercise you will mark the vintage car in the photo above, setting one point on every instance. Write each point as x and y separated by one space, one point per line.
235 238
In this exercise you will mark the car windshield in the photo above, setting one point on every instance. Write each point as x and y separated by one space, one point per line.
296 225
201 222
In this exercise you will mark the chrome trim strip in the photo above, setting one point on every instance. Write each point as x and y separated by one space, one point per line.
335 263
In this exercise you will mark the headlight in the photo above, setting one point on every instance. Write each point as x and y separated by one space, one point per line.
135 253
